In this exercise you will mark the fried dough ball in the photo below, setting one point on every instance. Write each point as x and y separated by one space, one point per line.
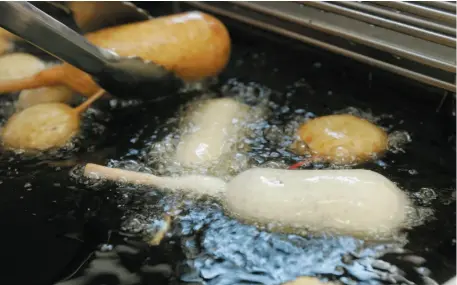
341 139
41 127
52 94
44 126
19 65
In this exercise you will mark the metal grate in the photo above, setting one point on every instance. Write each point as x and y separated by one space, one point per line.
396 20
413 39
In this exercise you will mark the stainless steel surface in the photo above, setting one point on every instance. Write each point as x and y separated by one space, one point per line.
423 11
448 6
394 15
398 41
385 23
340 26
120 76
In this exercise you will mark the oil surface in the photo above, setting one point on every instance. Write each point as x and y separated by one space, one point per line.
204 245
220 250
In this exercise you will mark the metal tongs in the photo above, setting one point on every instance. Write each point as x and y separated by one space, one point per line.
124 77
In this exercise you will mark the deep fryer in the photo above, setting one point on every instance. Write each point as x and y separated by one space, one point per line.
52 222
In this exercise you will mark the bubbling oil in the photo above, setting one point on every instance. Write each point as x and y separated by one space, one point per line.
265 143
161 154
221 250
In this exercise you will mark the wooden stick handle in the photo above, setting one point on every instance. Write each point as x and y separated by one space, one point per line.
119 175
86 104
195 184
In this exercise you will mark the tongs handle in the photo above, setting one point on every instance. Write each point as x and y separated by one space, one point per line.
35 26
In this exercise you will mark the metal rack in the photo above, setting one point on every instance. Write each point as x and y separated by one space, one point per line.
412 39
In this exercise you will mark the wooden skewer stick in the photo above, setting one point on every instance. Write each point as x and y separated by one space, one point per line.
197 184
86 104
358 202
